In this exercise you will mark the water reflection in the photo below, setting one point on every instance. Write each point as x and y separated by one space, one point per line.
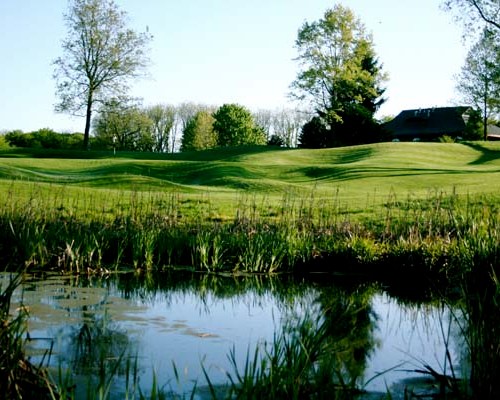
150 321
350 325
480 331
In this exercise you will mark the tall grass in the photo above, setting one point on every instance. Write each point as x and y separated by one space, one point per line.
19 378
441 234
309 359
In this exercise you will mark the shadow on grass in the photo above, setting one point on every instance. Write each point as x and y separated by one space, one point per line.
487 155
222 153
132 173
353 154
347 173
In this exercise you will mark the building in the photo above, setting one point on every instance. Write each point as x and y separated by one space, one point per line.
428 124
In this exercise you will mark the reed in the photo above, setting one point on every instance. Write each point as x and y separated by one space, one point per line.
300 363
18 377
441 234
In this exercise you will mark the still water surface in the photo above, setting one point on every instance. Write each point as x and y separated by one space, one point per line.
189 320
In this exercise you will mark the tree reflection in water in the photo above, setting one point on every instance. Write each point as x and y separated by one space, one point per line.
349 325
323 348
98 340
481 333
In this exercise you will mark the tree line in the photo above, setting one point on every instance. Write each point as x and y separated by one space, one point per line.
341 81
166 128
340 86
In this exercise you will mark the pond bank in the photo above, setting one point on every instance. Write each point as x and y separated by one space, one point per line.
443 236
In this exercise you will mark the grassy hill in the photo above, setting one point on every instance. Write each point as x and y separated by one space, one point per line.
358 177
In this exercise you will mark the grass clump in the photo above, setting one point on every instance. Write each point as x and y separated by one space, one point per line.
300 363
19 379
441 235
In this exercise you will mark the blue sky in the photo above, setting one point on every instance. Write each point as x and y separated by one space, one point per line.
221 51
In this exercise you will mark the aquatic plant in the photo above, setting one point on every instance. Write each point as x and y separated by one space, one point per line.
18 377
438 235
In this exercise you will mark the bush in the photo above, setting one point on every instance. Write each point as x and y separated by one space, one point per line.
446 139
45 138
3 142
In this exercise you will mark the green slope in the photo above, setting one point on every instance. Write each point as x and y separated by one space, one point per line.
353 173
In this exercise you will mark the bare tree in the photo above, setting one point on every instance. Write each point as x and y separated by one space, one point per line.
124 127
100 55
163 118
287 124
264 119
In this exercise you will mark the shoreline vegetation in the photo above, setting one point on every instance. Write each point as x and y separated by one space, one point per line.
57 216
256 210
442 235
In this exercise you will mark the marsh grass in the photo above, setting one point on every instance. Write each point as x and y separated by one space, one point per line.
302 362
441 234
18 377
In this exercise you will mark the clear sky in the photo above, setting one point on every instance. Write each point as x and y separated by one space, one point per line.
221 51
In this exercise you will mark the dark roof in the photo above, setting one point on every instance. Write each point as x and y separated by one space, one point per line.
429 122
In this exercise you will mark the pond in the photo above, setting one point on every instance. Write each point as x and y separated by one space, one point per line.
172 329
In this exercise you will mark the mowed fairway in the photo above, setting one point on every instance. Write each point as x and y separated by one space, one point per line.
358 179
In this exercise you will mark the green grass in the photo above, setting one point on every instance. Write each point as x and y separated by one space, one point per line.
418 212
359 177
254 209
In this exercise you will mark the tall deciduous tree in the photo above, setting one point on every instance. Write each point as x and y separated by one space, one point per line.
479 81
470 11
100 55
199 133
185 112
340 75
235 126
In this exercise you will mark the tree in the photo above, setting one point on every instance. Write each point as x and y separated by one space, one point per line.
49 139
470 11
474 129
185 112
124 127
340 75
287 125
281 126
3 141
17 138
199 133
479 80
100 55
314 134
264 119
235 126
275 140
162 118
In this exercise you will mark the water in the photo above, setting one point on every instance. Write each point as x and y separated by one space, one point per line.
192 320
